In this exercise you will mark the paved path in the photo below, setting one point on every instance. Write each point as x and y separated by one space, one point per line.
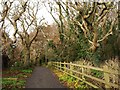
43 78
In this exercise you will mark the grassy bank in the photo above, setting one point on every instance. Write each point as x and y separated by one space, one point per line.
15 78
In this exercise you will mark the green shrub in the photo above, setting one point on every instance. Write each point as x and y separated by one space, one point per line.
96 73
27 71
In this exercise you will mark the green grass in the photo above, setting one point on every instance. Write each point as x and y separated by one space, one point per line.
7 83
22 75
27 71
15 78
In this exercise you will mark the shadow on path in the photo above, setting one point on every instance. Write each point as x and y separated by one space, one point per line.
43 78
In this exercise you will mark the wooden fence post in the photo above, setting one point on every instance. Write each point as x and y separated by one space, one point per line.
106 76
49 63
71 68
64 66
83 72
57 65
60 65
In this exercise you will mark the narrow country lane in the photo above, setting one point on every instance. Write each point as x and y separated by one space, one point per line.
43 78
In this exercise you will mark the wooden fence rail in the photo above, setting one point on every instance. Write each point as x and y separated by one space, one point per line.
69 68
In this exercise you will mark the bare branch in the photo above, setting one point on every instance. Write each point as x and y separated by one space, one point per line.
53 15
109 32
5 11
23 26
37 28
90 12
20 14
15 18
21 37
81 25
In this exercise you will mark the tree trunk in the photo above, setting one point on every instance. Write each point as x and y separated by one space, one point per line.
61 23
27 56
95 37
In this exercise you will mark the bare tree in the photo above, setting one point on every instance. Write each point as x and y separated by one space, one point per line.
92 17
29 21
5 10
59 20
22 15
95 19
15 16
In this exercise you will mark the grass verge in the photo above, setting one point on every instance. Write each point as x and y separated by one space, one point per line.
69 81
15 78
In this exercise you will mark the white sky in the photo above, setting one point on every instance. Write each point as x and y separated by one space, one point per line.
48 18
